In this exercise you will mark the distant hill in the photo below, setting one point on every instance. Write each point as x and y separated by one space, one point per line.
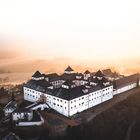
59 64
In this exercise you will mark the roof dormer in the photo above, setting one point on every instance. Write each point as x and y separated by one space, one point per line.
68 84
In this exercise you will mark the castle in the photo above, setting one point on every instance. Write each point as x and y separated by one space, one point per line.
72 92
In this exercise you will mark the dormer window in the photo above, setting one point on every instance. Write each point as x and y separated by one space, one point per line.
106 83
93 84
85 90
100 78
65 86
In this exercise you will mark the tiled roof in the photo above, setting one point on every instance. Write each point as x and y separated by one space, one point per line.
53 77
37 74
68 76
99 74
126 81
69 94
87 72
41 85
107 72
69 69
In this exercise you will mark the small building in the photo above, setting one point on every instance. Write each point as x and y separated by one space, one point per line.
22 114
10 107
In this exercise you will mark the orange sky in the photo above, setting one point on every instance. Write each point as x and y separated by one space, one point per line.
84 30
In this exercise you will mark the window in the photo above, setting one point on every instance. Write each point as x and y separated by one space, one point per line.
71 101
57 99
54 103
71 107
82 97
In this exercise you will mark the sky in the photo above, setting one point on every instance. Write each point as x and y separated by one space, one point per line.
77 29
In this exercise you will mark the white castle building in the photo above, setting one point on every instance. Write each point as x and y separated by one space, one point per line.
71 92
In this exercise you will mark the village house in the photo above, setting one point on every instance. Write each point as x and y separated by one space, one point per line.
22 114
10 107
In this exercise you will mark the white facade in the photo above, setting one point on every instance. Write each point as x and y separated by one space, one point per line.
31 95
8 111
37 79
107 93
125 88
58 83
78 105
16 116
10 107
71 107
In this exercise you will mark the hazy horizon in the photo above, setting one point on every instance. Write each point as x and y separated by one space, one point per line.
95 34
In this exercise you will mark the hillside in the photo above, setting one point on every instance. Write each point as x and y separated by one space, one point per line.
121 122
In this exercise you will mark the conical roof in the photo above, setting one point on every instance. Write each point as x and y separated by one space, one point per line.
87 72
69 69
37 74
99 74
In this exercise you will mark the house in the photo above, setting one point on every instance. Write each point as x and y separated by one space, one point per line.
22 114
10 107
27 117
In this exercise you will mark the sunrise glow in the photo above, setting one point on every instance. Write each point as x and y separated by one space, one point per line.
96 31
